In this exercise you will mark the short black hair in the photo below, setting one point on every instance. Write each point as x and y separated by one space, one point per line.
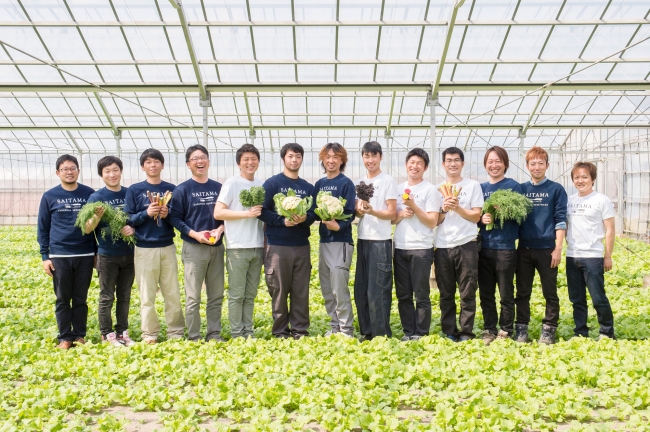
65 158
294 147
193 148
108 161
453 151
372 147
246 148
151 153
421 153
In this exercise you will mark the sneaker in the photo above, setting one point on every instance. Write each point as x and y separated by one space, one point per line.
111 339
416 337
488 337
80 341
216 338
329 333
503 335
363 338
464 338
347 335
451 338
125 340
405 338
64 345
548 335
605 337
521 333
150 341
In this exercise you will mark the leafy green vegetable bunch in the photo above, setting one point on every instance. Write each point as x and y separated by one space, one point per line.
329 207
504 205
289 204
252 197
115 219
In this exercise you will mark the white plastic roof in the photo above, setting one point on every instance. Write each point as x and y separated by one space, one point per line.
73 73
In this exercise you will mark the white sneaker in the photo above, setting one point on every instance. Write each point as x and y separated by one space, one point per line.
328 333
111 339
125 339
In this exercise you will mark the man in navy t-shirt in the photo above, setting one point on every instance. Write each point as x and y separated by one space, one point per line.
540 246
68 255
115 258
191 213
497 260
155 253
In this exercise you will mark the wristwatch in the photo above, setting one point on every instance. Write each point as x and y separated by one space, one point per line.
442 211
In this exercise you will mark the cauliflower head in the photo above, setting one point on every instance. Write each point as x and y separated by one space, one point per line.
291 202
332 204
329 207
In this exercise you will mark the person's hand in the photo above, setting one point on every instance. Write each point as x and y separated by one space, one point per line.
255 211
332 225
218 232
364 207
153 209
450 204
486 219
164 212
409 202
289 222
407 213
99 212
556 257
299 219
200 236
607 263
127 231
48 267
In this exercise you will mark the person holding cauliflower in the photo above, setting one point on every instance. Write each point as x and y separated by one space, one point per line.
288 213
334 196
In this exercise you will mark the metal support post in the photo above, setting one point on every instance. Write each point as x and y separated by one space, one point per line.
389 153
432 103
205 104
118 144
522 163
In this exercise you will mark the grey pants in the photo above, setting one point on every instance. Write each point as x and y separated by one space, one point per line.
334 270
287 270
244 267
203 264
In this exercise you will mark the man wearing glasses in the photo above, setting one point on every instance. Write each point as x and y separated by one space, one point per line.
456 254
191 213
68 255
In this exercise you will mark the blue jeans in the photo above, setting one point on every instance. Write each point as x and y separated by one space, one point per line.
373 287
583 274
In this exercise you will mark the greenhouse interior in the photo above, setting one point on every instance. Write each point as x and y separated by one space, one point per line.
96 78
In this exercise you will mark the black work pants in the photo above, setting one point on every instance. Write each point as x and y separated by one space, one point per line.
497 267
116 274
71 278
457 266
529 260
373 287
412 269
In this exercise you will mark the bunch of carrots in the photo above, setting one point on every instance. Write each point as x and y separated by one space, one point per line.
160 199
449 190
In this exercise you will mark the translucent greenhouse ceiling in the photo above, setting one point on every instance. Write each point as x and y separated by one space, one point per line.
76 73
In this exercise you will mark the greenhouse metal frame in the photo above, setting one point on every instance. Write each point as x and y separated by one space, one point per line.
117 77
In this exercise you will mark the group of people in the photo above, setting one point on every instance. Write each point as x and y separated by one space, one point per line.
446 231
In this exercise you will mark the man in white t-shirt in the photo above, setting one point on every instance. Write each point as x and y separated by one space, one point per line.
456 254
373 284
590 217
418 207
244 241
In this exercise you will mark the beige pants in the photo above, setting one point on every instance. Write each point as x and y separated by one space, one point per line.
157 267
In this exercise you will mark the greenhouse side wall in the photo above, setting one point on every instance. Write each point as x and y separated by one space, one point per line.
622 157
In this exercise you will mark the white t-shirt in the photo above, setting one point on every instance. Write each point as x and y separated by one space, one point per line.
456 230
586 229
370 227
241 233
411 233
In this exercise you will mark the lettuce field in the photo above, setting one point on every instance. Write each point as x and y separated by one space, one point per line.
320 383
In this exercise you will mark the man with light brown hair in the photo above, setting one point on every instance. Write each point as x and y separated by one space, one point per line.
336 244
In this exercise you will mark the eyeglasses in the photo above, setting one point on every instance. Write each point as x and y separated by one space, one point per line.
68 170
199 158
